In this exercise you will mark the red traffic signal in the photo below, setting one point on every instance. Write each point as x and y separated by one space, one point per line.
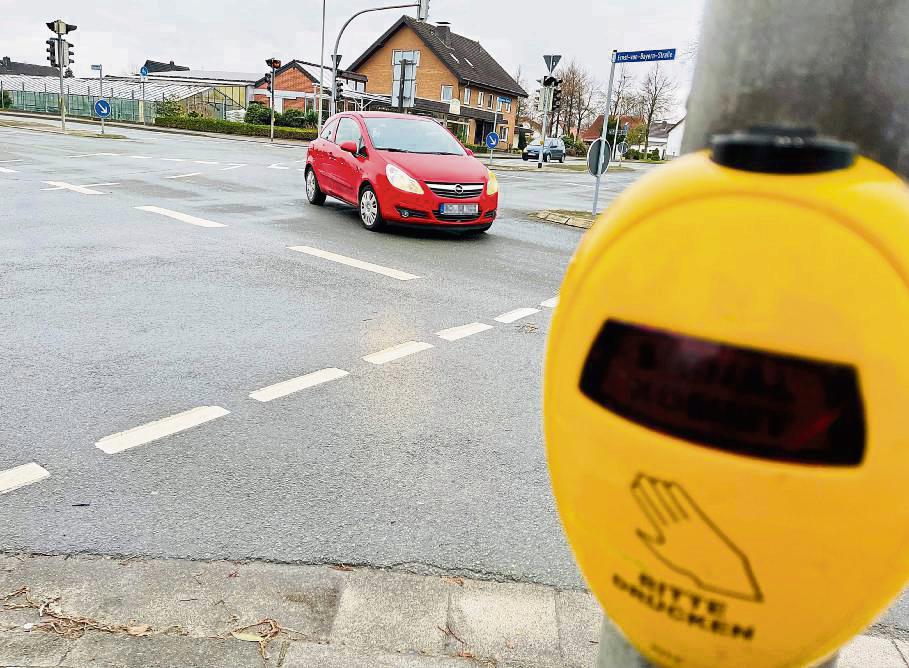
273 63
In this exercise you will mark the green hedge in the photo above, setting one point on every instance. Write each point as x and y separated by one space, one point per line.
228 127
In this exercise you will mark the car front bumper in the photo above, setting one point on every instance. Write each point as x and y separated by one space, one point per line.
424 210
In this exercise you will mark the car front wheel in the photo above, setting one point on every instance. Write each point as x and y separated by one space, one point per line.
313 192
370 215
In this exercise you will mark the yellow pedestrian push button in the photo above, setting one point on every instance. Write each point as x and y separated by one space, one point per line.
727 402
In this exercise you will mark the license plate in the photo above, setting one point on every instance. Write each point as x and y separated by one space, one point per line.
460 209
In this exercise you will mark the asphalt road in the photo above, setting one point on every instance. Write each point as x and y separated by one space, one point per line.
115 316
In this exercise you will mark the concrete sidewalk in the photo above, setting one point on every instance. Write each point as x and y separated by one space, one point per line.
102 611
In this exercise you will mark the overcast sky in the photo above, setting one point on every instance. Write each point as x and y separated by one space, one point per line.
238 36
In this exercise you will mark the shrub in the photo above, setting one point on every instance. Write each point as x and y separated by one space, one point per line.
258 114
522 141
632 154
231 128
293 118
6 101
169 108
654 154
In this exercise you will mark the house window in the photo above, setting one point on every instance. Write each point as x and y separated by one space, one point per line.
397 56
507 104
446 94
505 133
480 99
490 99
466 96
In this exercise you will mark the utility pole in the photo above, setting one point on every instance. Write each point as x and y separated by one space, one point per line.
547 99
840 68
321 69
404 64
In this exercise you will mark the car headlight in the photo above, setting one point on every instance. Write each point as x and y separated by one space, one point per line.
402 180
492 184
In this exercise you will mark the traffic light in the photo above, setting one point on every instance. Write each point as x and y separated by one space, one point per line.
68 53
549 81
557 95
52 51
339 89
268 81
273 63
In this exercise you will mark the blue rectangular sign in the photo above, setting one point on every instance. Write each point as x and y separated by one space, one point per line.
644 56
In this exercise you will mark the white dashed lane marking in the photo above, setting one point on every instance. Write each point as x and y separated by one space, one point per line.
183 176
152 431
277 165
173 159
206 162
91 155
60 185
296 384
6 161
7 170
139 157
21 476
352 262
517 314
227 169
550 303
455 333
397 352
183 217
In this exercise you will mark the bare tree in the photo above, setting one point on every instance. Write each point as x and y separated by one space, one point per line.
657 95
520 102
621 91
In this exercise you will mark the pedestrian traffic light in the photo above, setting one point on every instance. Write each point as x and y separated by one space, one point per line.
52 51
268 81
725 392
549 81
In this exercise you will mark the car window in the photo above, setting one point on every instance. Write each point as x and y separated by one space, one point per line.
328 132
411 135
348 130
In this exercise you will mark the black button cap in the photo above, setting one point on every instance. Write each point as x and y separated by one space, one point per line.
781 150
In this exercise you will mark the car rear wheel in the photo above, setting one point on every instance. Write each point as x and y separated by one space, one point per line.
313 192
525 158
370 215
562 159
545 157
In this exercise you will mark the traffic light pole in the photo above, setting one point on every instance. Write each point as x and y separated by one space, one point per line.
604 136
62 98
271 134
547 102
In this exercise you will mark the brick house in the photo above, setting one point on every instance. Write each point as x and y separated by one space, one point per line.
449 67
297 86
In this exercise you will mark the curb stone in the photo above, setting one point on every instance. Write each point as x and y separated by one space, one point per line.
571 221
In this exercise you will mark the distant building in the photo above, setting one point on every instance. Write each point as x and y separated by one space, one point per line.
297 87
674 140
154 66
8 66
456 80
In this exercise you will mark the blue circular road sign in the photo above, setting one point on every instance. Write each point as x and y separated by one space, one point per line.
102 108
143 71
492 140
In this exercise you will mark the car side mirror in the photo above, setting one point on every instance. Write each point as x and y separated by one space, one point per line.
469 152
350 147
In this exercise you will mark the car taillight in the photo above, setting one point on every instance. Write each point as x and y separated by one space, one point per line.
737 399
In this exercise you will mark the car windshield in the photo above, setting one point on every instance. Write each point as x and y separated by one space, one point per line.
411 135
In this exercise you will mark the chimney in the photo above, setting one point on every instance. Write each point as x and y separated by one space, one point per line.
6 63
443 32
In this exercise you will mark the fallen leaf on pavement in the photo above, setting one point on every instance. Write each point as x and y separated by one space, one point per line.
453 579
342 567
248 637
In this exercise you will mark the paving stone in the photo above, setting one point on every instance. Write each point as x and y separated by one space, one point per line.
201 597
393 611
34 649
110 651
309 655
513 622
579 617
868 651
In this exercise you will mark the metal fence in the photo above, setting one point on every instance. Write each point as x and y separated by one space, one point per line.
82 105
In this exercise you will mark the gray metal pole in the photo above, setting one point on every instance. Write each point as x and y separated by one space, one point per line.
603 136
271 134
101 92
808 63
400 86
321 68
62 98
546 103
144 122
495 117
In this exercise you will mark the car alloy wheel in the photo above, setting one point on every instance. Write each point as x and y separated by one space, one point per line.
313 192
370 215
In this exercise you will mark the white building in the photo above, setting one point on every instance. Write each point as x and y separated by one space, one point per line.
674 140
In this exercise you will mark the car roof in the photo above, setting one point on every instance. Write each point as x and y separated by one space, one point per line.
383 114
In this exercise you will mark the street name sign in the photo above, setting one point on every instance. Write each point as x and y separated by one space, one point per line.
644 56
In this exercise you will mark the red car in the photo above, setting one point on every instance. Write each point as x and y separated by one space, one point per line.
400 169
